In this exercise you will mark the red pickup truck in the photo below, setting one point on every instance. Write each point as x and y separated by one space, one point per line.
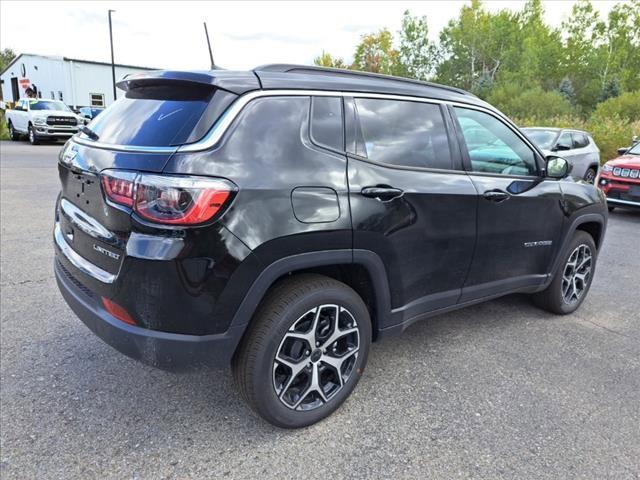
619 179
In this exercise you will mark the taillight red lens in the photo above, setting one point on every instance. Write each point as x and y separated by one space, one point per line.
169 200
119 187
117 311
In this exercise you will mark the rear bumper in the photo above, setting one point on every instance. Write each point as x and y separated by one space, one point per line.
169 351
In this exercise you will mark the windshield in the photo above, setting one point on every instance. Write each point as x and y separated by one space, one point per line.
155 116
635 150
542 138
47 105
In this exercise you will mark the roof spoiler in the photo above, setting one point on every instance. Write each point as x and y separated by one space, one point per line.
234 82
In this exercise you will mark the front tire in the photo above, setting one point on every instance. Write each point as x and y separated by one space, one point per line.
572 281
590 175
33 138
12 133
305 351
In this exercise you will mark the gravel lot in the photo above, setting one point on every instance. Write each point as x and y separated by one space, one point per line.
500 390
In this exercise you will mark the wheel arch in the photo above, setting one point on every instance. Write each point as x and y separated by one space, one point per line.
362 270
592 223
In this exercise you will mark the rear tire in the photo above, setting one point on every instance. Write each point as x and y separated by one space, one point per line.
590 175
305 351
33 138
12 133
572 281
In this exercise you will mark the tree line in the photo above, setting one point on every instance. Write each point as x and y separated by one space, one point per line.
514 59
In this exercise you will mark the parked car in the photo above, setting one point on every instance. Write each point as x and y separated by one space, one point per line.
280 220
619 179
576 146
42 120
90 112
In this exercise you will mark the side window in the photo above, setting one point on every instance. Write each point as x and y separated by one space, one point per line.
565 142
404 133
580 140
327 128
493 147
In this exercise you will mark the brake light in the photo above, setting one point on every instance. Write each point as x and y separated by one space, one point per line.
171 200
119 188
117 311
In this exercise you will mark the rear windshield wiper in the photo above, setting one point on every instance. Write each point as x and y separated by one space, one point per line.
90 133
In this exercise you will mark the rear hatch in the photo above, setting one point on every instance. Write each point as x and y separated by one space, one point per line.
139 133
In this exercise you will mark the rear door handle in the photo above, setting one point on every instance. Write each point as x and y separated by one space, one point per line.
496 195
383 193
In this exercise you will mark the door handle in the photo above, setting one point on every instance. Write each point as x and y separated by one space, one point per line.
383 193
496 195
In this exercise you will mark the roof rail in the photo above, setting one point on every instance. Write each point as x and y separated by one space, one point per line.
292 68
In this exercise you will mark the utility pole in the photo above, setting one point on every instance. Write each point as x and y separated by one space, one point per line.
113 65
206 33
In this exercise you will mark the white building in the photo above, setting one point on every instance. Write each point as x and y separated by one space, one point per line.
78 83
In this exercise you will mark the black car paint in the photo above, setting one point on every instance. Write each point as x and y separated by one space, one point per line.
437 246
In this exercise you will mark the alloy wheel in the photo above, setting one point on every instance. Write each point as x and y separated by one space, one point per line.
576 274
590 177
316 357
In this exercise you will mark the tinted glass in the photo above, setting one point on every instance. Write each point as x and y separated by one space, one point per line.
635 150
580 140
404 133
153 116
565 140
542 138
326 122
47 105
493 147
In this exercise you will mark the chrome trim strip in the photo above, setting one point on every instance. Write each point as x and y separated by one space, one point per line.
84 222
623 202
122 148
222 124
79 262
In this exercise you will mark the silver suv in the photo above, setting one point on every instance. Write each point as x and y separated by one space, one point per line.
576 146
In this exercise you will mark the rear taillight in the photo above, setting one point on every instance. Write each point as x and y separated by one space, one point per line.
119 187
169 200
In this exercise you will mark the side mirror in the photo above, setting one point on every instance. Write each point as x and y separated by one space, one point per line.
622 151
557 167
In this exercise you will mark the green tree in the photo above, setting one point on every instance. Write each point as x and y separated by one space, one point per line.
533 102
417 56
375 53
6 56
625 106
567 91
326 60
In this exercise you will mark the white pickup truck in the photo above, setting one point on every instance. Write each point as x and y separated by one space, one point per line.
42 120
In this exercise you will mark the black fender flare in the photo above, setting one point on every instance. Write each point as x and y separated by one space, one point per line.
366 258
579 220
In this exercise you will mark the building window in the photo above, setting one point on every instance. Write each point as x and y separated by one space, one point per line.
97 99
60 96
53 95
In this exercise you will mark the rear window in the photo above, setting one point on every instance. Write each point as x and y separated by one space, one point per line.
153 116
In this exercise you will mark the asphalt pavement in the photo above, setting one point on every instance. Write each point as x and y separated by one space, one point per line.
499 390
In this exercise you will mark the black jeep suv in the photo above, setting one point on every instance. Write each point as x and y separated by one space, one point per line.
280 220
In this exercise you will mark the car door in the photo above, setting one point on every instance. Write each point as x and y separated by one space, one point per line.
411 203
582 155
519 209
22 116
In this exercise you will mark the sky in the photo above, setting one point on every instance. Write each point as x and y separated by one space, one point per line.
244 34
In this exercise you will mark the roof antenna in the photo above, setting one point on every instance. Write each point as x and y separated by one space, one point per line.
206 33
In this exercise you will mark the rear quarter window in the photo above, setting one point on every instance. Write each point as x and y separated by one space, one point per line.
327 128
